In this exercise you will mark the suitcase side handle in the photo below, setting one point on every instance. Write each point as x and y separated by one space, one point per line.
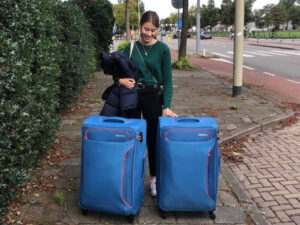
189 119
115 120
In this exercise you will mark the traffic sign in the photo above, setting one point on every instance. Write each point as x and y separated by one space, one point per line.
177 4
179 24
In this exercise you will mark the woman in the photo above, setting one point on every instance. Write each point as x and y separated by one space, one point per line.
154 83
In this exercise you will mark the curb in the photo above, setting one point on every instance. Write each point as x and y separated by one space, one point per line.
274 46
242 195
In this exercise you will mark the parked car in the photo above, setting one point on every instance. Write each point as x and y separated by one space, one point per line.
188 33
205 35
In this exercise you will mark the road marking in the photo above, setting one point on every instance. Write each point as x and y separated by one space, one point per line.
249 68
271 74
245 55
258 53
273 53
294 81
219 54
292 53
222 60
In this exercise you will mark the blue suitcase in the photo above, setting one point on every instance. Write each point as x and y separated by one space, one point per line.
188 164
113 163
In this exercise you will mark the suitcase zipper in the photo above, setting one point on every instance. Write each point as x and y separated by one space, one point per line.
207 186
123 180
184 130
119 131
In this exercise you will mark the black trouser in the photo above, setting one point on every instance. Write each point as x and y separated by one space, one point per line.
150 106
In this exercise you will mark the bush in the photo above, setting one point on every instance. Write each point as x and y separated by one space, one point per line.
78 52
29 70
100 15
46 57
122 45
183 64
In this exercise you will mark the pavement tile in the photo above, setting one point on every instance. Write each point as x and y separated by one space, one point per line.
230 215
150 215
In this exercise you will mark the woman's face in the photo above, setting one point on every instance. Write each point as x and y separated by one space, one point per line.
148 32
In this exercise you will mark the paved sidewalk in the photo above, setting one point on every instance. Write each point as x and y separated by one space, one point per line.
270 173
197 93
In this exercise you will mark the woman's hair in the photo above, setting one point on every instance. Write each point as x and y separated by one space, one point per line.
150 16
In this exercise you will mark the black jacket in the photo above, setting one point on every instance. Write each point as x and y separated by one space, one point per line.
118 98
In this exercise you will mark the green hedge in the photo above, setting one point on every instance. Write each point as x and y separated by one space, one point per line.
46 58
78 53
122 45
293 34
100 15
29 56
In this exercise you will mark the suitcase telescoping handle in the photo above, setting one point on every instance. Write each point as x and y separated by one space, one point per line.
188 119
115 120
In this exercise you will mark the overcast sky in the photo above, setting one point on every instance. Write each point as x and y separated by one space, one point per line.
164 7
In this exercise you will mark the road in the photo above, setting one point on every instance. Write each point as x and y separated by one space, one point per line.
283 63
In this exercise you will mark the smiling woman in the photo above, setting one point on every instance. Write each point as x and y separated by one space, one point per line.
154 83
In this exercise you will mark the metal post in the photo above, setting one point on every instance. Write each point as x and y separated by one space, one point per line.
198 28
238 48
178 32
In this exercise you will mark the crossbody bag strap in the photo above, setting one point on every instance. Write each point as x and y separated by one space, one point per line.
131 48
146 65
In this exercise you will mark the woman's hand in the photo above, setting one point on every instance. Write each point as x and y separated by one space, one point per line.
169 112
127 82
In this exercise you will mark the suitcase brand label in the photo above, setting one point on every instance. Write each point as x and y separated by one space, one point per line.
202 135
120 135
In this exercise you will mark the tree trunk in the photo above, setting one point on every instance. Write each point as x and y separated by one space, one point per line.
182 48
127 21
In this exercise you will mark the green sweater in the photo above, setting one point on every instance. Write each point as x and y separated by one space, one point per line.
158 61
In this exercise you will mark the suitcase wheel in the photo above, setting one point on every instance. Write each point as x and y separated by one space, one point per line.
84 212
162 214
130 218
212 215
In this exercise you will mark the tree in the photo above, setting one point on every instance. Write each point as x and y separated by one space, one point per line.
185 14
119 14
267 14
279 15
192 16
127 20
287 3
248 11
173 18
99 13
227 13
212 13
209 14
294 16
258 16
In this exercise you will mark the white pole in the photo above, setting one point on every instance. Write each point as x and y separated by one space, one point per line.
238 48
198 28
